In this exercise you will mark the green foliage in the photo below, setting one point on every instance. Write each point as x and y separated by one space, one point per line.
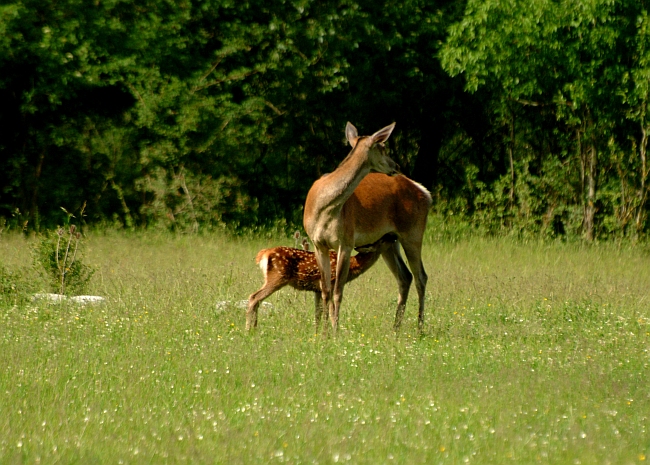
561 67
253 96
57 254
16 285
197 115
183 201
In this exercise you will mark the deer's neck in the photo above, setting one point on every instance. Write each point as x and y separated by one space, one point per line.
339 185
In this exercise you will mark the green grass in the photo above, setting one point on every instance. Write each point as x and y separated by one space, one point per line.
532 353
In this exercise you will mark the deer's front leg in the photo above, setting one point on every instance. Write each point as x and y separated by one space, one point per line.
323 261
342 269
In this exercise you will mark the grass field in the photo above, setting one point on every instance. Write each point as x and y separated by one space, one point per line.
532 353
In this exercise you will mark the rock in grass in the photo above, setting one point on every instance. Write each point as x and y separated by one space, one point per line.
47 297
88 299
223 304
78 299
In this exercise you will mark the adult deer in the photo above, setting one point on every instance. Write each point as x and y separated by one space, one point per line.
352 206
297 268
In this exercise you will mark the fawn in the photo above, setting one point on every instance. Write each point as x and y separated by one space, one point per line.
298 269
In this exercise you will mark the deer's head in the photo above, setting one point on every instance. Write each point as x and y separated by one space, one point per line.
378 158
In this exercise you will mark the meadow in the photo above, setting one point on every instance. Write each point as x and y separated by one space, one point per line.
532 352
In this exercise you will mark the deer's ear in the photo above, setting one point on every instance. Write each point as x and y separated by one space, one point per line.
383 134
351 134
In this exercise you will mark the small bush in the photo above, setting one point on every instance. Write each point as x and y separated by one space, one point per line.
15 284
57 256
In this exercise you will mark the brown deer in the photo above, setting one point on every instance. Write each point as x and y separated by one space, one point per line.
298 269
353 206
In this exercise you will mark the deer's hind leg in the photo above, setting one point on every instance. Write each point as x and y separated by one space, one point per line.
413 251
396 265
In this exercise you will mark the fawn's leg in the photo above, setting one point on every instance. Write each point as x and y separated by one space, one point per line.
318 308
256 299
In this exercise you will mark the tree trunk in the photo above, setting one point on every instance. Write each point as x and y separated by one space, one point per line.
511 154
590 208
186 191
583 163
640 214
128 219
33 207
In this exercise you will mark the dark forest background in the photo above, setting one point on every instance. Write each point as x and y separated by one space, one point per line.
521 116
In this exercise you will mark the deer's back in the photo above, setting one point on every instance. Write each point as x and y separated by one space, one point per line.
382 204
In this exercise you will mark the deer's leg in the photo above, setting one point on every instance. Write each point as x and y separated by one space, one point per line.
413 251
396 265
342 269
318 308
256 299
324 267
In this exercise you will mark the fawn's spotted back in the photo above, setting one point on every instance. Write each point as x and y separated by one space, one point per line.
297 267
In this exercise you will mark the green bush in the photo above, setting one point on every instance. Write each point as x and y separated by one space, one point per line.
15 284
57 256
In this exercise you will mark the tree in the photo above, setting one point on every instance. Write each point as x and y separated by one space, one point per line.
635 94
143 110
564 55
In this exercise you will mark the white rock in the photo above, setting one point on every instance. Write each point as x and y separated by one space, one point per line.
88 299
223 304
78 299
48 297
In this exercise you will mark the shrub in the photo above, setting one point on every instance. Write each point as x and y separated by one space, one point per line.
57 255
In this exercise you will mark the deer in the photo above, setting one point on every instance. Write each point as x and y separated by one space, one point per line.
363 199
297 268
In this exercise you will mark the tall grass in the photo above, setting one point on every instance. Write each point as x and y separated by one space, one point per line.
531 353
